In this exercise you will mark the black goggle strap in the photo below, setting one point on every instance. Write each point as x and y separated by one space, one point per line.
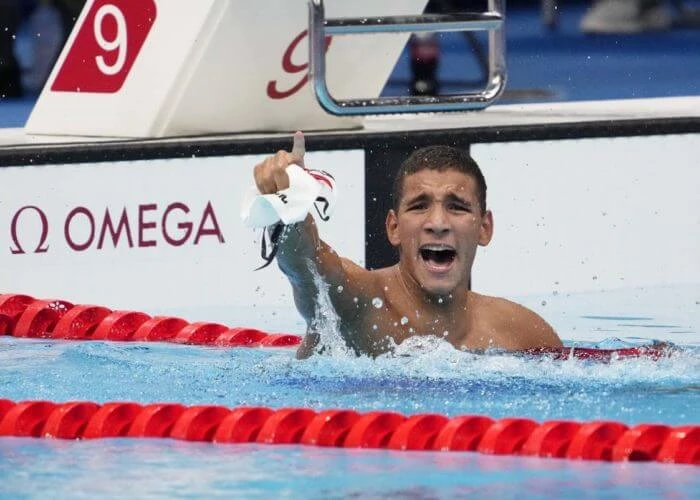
323 211
273 234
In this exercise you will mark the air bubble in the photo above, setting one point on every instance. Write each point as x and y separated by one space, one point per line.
377 302
404 319
340 288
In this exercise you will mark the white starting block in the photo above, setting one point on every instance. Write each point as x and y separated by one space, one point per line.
157 68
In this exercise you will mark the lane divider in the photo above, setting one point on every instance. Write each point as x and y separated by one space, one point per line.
597 440
25 316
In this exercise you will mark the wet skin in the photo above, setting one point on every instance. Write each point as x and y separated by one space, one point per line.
436 229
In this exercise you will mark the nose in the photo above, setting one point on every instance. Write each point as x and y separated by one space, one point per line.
436 223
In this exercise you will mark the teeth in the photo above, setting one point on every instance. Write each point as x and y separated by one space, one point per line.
436 248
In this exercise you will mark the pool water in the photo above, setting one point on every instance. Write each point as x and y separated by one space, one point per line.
145 468
424 375
428 376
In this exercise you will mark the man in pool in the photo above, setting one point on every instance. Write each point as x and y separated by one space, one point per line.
438 220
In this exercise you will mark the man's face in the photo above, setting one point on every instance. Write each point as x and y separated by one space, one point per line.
437 228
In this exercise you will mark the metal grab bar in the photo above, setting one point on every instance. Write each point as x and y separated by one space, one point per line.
462 21
492 21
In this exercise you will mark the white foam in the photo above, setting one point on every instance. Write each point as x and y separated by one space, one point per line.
326 321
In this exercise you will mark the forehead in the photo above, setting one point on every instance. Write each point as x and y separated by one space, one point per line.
435 182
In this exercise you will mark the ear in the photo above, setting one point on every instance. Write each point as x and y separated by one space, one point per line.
486 229
392 228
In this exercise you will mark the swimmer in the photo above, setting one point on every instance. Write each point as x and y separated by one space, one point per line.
438 220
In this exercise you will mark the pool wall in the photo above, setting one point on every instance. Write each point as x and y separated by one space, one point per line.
153 225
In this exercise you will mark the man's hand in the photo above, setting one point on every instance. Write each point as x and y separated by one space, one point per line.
271 175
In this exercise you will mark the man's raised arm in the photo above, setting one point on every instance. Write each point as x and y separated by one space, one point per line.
300 253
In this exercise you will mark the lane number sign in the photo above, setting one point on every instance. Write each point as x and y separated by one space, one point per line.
106 46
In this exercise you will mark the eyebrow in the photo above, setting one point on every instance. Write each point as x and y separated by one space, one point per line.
450 197
416 199
454 197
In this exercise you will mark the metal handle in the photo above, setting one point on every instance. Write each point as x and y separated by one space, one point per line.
491 21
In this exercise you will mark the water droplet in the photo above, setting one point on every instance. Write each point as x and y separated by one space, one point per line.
340 289
377 302
404 320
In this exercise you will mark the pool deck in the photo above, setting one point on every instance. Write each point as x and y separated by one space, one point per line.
541 120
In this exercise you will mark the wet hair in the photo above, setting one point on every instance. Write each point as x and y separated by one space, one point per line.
440 158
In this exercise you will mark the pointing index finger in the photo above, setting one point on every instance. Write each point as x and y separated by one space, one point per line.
299 148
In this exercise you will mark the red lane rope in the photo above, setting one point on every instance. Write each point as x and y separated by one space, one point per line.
25 316
597 440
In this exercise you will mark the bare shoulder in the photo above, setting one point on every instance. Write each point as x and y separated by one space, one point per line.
518 326
358 284
355 270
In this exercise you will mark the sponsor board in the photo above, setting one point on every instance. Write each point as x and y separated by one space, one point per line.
600 236
157 235
591 214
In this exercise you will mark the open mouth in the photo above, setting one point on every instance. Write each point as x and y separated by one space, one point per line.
438 257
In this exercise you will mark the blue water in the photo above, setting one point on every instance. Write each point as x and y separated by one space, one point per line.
428 376
431 378
163 468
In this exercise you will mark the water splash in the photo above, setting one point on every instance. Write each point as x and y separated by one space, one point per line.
326 321
422 375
